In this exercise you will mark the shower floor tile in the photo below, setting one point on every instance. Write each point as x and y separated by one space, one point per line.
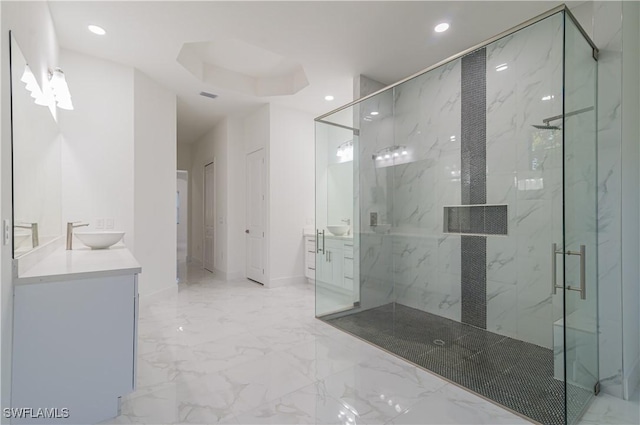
515 374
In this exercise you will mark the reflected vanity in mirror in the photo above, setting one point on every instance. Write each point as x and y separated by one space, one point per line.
36 144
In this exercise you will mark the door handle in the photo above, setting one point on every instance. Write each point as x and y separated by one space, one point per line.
583 266
554 266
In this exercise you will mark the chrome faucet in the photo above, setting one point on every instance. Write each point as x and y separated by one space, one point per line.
70 227
348 221
35 241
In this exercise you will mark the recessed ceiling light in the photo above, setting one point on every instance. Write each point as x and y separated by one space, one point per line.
328 98
441 27
374 113
501 67
97 30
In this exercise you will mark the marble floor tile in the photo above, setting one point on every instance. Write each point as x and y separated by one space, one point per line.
235 352
453 405
606 409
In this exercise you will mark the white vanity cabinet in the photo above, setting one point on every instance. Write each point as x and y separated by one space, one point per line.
310 258
75 335
333 266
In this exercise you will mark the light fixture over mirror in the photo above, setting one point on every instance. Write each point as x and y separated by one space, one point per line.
345 151
56 91
60 89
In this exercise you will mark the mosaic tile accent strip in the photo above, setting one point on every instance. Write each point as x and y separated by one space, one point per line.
474 280
512 373
473 136
473 169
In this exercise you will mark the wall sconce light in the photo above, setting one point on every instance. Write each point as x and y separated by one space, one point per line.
40 98
60 89
392 155
55 92
345 151
391 152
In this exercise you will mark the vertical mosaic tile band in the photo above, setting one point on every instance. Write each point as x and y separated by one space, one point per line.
473 137
473 143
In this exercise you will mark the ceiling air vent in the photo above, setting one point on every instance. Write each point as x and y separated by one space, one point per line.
206 94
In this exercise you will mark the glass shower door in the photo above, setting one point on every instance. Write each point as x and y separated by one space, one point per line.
580 223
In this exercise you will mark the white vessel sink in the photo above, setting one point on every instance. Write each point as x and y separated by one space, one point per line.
339 230
99 240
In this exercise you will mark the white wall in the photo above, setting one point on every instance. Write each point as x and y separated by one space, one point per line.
236 199
154 207
98 146
183 156
33 28
291 192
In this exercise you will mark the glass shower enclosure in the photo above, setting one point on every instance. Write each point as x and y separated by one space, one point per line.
456 219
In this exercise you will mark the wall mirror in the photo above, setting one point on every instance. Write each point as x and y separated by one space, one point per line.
340 192
36 144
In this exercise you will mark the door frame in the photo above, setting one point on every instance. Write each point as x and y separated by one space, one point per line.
205 164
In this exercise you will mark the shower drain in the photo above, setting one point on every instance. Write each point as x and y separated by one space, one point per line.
438 342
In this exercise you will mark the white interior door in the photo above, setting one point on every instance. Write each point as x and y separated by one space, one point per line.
209 217
255 241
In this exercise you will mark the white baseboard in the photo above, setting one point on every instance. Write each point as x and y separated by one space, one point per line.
287 281
146 299
632 380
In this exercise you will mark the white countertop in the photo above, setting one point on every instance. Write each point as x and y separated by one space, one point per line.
81 263
330 236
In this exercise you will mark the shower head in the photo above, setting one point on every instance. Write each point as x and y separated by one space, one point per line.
545 127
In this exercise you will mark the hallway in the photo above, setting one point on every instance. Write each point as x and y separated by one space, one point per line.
235 352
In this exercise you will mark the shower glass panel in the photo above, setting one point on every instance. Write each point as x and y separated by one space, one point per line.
580 218
336 242
472 243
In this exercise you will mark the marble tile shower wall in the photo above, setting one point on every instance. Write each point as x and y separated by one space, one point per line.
427 262
524 171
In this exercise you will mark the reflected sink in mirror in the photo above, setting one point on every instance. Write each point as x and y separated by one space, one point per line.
99 240
338 229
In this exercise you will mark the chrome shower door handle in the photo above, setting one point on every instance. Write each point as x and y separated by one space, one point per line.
583 269
583 274
554 267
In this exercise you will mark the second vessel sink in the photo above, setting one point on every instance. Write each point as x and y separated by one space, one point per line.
339 230
99 240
